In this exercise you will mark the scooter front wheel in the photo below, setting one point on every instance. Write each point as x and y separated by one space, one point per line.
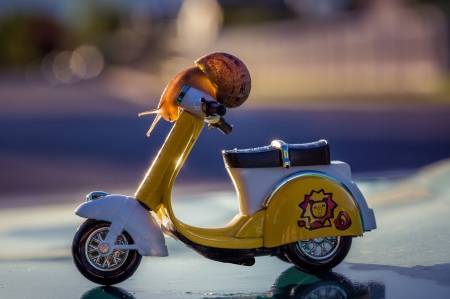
319 254
105 270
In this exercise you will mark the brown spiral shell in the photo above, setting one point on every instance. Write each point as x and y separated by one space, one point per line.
229 75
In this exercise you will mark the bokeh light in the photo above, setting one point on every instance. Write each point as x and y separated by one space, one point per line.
62 67
198 24
93 62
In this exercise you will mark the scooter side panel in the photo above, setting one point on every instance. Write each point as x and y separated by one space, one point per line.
126 213
254 184
309 207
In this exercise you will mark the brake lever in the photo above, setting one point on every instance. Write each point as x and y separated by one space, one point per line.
221 124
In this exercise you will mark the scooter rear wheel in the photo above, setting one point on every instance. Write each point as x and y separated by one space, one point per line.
319 254
109 270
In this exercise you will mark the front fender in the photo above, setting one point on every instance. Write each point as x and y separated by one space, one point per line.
126 213
310 205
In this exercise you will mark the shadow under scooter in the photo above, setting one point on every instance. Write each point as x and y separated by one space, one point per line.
293 283
107 292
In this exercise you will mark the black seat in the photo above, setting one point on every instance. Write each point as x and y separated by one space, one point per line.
306 154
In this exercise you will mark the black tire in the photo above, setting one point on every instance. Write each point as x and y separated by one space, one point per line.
120 265
333 250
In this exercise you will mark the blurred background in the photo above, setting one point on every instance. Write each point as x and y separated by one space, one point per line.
370 76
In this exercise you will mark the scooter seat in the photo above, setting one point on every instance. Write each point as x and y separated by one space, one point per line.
305 154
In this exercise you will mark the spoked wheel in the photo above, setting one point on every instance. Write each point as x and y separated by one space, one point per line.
319 254
98 268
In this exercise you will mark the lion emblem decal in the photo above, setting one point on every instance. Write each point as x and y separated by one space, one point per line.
318 212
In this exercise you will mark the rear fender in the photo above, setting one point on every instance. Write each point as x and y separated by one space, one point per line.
127 214
310 205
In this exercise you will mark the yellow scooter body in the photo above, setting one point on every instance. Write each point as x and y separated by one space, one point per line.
310 205
156 188
286 216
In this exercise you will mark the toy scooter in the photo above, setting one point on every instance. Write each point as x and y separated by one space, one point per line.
294 203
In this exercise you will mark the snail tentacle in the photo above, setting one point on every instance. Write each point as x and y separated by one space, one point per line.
157 118
157 110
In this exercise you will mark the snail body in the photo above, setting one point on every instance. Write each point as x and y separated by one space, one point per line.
222 76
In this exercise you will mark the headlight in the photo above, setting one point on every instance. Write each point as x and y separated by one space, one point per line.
95 195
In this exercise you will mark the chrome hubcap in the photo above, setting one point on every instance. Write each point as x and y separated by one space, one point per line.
319 248
103 248
94 250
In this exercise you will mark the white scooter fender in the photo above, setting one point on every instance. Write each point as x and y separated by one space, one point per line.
126 214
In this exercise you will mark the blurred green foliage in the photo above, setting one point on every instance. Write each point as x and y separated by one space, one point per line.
98 22
443 5
254 11
27 37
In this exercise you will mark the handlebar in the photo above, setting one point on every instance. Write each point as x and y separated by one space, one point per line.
212 109
222 125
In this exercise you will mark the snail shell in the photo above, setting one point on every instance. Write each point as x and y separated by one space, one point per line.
229 74
222 76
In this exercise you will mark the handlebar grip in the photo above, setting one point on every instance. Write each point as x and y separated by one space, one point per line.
217 109
211 108
223 126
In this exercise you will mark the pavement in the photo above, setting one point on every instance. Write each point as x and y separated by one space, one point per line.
405 257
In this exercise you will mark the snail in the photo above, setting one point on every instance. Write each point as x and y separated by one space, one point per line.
220 75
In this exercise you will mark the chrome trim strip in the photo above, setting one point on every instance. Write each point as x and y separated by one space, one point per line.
182 93
284 148
294 176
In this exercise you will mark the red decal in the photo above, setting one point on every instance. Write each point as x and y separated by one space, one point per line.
343 221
